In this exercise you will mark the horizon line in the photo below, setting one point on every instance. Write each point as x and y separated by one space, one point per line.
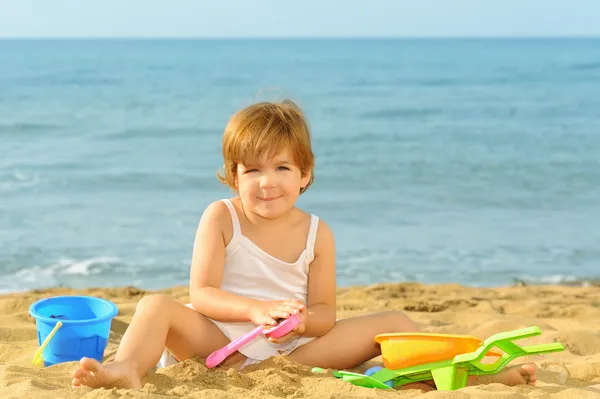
209 38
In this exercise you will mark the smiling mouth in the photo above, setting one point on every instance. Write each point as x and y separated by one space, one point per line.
269 198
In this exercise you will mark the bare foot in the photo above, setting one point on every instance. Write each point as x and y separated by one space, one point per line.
523 374
113 374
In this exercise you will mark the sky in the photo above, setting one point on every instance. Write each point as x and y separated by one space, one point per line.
307 18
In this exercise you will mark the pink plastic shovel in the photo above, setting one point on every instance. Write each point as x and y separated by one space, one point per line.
281 329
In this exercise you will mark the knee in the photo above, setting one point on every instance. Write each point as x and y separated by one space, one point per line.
397 321
153 303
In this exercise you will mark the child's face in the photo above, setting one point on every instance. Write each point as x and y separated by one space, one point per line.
270 187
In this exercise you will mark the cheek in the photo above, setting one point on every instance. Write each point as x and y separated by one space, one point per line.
292 186
246 185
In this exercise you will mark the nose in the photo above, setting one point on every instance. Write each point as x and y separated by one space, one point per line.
267 179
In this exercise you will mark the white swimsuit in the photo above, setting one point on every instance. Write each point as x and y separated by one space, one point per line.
251 272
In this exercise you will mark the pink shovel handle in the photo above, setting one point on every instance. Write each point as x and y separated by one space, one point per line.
215 358
219 355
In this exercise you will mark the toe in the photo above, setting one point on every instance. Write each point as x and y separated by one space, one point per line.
81 374
90 364
76 383
528 371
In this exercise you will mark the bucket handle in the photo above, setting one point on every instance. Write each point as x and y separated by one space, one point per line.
37 358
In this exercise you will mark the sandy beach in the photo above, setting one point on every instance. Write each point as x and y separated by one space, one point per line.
567 314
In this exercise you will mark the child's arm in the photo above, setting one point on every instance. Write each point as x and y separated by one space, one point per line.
321 302
208 259
206 274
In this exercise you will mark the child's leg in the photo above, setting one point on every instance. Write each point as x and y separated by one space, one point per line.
350 342
158 321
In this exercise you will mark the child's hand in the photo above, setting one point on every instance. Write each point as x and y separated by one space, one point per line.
268 312
299 330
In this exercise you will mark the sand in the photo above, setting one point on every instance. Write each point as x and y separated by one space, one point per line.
570 315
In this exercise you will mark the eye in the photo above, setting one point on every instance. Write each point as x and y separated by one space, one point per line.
283 168
250 170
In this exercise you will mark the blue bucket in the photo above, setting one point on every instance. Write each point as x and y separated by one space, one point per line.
85 327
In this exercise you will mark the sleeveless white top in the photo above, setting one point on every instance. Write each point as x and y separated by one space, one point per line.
251 272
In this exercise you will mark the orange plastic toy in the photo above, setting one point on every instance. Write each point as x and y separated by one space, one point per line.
402 350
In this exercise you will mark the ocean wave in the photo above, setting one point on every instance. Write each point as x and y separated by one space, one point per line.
492 266
436 82
64 269
349 92
409 81
14 179
96 271
163 132
85 177
68 266
585 66
358 266
553 279
142 180
70 78
394 113
19 128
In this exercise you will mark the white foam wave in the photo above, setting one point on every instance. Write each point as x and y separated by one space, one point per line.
64 267
93 271
551 279
11 180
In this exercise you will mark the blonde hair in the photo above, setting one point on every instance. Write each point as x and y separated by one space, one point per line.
266 128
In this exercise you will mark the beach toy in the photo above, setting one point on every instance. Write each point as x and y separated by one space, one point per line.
375 369
281 329
37 358
71 327
451 373
408 349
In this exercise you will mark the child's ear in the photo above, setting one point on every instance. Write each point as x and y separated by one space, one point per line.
305 178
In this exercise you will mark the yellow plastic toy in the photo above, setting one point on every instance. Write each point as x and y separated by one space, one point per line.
402 350
38 360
